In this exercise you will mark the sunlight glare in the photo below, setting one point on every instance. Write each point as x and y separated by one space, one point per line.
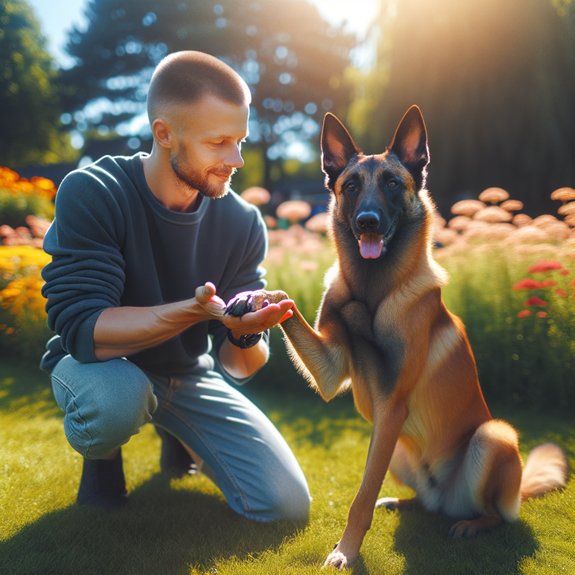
354 14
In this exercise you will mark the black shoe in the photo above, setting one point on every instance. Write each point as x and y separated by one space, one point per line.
175 460
103 483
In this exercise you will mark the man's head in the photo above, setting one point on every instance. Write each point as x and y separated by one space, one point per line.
185 77
198 109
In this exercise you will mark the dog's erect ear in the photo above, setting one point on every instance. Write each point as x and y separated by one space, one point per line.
409 144
337 148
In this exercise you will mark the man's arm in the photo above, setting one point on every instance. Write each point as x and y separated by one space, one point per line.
123 331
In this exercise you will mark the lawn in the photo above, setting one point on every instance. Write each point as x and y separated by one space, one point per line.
185 527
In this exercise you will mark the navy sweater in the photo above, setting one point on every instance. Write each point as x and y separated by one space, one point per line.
114 244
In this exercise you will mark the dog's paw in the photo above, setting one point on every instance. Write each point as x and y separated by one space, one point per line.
389 503
340 558
250 301
464 529
336 559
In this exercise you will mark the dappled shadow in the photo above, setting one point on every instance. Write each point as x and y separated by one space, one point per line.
20 385
422 538
161 530
311 420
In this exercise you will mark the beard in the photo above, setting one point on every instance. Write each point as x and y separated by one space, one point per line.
194 179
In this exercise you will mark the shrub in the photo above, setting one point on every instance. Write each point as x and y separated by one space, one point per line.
20 197
23 328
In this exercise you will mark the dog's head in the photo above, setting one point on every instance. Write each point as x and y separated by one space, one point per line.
375 194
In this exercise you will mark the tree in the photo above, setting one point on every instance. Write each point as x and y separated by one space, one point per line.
496 82
29 115
293 60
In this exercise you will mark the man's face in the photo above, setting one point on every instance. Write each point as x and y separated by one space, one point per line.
208 137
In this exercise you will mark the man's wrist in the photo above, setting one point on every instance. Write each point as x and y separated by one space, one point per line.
244 341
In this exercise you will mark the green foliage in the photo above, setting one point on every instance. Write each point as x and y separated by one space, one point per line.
522 360
29 115
496 84
184 526
14 208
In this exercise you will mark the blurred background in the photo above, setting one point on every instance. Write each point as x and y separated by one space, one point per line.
495 80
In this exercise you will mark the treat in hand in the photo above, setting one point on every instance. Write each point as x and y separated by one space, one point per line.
250 301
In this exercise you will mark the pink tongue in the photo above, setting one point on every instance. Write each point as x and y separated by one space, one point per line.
370 246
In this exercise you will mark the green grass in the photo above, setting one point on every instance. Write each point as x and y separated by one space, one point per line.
185 527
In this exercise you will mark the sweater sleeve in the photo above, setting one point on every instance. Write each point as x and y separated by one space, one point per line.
248 274
86 274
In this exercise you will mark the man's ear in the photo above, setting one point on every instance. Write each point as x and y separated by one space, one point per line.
409 143
162 132
337 148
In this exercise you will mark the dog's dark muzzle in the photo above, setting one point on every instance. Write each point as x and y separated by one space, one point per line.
368 222
373 232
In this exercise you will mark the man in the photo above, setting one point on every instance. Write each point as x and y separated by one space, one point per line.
139 246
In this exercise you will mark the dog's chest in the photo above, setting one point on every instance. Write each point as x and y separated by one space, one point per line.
377 353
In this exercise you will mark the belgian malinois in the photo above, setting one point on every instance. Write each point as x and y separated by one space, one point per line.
383 329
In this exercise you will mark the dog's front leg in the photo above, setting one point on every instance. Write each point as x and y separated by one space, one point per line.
388 420
317 354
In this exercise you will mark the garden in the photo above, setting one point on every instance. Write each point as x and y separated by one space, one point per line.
512 281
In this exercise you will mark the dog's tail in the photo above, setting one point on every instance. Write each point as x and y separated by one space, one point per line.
546 469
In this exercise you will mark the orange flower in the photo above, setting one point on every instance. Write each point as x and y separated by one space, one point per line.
561 292
524 313
541 314
494 195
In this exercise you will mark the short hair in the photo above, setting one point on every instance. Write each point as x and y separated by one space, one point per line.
185 77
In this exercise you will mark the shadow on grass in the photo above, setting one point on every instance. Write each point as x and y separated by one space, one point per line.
422 538
160 531
22 385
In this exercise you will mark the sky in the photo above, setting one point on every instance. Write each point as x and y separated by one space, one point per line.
57 18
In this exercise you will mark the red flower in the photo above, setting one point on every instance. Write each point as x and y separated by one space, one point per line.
541 314
548 283
545 266
527 283
565 272
561 292
534 300
524 313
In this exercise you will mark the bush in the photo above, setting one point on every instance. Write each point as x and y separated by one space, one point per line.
23 328
20 197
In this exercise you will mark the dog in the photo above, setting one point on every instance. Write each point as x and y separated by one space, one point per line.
383 330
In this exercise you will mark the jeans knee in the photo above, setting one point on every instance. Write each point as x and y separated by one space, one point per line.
288 502
104 404
294 504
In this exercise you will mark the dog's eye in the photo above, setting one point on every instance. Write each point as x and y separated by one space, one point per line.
392 184
350 187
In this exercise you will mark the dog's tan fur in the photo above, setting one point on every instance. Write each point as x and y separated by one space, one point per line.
383 329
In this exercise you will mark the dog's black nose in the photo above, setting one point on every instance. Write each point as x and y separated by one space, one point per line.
367 221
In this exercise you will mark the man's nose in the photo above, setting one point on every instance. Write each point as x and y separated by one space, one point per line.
235 159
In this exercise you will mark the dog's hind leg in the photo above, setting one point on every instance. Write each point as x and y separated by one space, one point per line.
488 482
402 469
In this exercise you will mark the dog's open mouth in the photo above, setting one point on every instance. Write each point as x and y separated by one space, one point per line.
371 246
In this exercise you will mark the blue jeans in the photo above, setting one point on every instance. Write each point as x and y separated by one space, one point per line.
245 455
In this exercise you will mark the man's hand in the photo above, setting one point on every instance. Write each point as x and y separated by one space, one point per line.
256 311
209 302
